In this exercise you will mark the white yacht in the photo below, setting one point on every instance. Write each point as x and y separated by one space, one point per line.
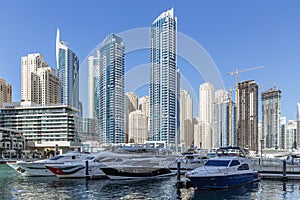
38 168
230 168
138 168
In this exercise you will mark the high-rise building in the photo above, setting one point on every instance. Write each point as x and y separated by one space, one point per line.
260 136
206 92
186 119
111 91
247 131
291 135
144 105
67 64
5 92
271 117
197 136
90 134
30 82
93 86
137 127
164 80
49 86
131 104
282 133
221 119
298 125
40 83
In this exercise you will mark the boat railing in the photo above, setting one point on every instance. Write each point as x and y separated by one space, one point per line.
274 164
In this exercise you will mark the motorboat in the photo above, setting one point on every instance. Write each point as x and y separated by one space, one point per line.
89 168
231 167
79 169
138 168
38 167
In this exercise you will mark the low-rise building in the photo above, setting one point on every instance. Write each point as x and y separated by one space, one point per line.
46 128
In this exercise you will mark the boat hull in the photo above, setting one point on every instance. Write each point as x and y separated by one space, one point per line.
223 182
76 171
126 174
35 169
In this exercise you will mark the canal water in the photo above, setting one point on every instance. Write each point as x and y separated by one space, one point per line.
13 186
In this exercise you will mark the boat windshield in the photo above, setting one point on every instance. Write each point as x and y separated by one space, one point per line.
219 163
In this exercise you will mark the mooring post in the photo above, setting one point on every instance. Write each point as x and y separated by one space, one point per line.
284 169
178 170
86 168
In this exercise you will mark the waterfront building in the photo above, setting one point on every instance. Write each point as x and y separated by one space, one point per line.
12 142
111 91
93 85
138 127
40 83
282 133
131 104
291 135
5 92
45 126
186 119
247 130
164 80
271 117
67 64
206 92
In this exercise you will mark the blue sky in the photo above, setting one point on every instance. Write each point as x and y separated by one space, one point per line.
236 34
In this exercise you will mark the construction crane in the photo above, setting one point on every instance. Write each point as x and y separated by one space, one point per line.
236 73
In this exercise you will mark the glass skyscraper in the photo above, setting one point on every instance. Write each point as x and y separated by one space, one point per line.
164 79
68 72
111 91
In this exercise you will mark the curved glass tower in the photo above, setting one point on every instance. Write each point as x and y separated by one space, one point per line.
164 80
68 72
111 91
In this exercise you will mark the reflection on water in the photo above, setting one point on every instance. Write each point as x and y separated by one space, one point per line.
13 186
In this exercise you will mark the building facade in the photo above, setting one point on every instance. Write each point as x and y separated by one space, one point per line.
138 127
221 119
298 125
186 119
131 104
164 80
144 105
67 64
111 91
40 83
206 92
271 118
90 134
93 86
291 135
247 130
5 92
43 126
282 133
11 142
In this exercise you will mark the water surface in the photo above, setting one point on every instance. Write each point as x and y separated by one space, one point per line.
13 186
